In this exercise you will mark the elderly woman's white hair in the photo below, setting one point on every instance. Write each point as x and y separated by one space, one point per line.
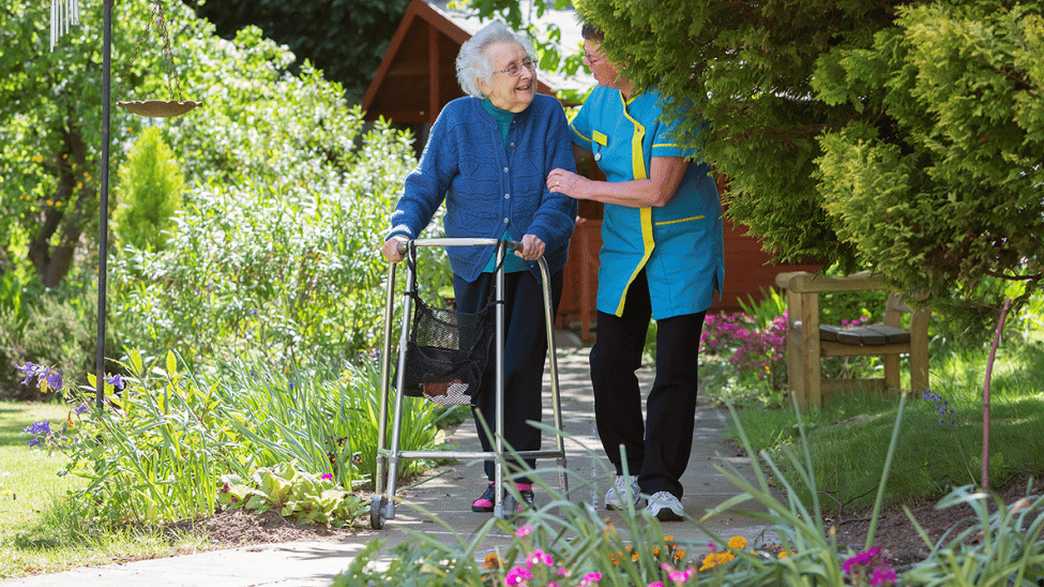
472 62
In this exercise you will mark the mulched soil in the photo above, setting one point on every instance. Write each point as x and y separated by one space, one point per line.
238 528
900 544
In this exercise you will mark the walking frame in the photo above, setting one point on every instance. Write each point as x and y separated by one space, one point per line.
382 505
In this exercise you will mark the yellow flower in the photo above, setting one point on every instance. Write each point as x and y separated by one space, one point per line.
737 543
634 555
37 158
782 554
724 557
668 538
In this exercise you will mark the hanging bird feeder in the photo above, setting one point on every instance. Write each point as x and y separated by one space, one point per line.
176 106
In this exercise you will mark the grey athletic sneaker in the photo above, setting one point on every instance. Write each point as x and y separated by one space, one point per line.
665 507
614 498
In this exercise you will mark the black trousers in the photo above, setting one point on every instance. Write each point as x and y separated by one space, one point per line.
658 449
525 349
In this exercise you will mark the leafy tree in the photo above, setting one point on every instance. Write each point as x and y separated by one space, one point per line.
150 192
50 127
344 38
274 254
903 138
907 138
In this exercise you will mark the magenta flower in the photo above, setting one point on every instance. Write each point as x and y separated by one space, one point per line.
517 576
883 575
524 531
591 578
562 572
327 476
655 584
860 559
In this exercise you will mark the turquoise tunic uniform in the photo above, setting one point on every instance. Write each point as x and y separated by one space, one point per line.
678 245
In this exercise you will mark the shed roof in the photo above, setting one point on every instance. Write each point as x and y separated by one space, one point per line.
417 75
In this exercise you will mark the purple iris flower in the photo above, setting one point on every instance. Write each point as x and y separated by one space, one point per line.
54 380
38 428
117 381
29 370
81 409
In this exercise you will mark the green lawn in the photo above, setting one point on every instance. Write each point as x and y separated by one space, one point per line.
39 531
850 435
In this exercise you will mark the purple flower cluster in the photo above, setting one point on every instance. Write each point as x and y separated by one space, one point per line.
40 432
860 562
755 350
116 381
853 323
47 379
947 415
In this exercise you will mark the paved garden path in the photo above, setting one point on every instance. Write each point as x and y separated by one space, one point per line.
447 492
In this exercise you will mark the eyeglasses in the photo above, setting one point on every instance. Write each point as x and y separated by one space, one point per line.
515 69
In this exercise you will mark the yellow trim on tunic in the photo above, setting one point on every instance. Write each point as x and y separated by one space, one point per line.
665 145
638 168
679 220
579 134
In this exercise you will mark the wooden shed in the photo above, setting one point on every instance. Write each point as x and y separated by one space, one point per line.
417 77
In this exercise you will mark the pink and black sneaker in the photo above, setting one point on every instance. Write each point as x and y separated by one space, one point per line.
484 503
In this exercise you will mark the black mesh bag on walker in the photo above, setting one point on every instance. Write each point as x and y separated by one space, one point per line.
447 350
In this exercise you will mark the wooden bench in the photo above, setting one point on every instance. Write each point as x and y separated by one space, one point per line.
808 341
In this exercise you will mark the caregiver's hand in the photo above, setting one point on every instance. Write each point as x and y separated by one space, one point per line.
567 183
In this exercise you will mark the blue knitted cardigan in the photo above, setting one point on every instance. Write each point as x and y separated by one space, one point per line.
490 187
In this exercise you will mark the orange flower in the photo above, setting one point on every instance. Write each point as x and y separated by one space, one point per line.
656 551
679 554
492 560
615 558
737 543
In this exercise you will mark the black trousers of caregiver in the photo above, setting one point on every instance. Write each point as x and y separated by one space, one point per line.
525 348
658 449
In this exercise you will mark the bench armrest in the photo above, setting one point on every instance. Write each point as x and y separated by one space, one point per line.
805 282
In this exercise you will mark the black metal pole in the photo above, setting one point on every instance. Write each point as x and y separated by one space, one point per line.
103 208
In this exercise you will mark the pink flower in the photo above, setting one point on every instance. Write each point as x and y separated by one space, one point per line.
517 576
562 572
327 476
524 531
591 578
883 575
655 584
539 557
860 559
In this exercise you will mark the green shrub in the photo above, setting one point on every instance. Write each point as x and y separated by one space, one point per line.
56 332
275 254
295 494
150 185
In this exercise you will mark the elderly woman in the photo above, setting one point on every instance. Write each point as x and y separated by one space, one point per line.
661 258
487 156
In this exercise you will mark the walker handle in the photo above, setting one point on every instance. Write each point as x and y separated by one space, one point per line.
458 242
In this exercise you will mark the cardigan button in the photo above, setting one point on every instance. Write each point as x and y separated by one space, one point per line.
505 170
506 221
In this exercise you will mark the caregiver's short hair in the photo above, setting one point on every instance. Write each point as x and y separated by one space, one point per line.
472 62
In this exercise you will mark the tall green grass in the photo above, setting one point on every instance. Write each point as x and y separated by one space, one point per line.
937 451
